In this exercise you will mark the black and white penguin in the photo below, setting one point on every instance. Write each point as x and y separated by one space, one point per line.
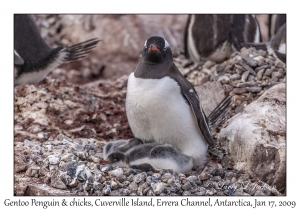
162 106
275 22
37 56
215 37
152 157
276 46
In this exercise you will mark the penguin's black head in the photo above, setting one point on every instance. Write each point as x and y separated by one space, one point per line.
116 157
157 50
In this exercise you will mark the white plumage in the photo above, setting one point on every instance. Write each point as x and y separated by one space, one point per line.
157 111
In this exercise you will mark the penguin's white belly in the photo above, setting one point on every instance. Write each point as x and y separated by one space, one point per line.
157 111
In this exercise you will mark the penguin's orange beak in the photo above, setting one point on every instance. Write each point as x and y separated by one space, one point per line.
153 48
104 162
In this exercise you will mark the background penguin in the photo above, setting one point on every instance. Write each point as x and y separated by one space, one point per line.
152 157
162 105
276 46
38 58
275 22
215 37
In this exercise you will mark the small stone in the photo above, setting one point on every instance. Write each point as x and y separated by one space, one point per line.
186 193
166 177
140 177
235 76
209 192
133 186
114 185
158 187
240 90
150 193
227 88
249 190
56 182
238 192
106 190
268 72
204 176
254 89
217 178
260 74
186 186
224 79
245 76
118 172
53 160
259 193
208 64
250 61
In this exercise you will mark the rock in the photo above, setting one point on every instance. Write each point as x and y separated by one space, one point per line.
133 186
140 177
260 130
186 186
158 187
211 95
118 172
53 160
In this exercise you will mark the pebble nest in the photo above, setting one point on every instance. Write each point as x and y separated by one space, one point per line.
61 128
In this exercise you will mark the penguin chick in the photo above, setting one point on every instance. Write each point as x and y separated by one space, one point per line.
152 157
38 58
120 146
276 46
162 106
215 37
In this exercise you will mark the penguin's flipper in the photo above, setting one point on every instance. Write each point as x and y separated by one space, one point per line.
219 114
79 50
202 120
131 143
144 167
281 56
17 59
258 46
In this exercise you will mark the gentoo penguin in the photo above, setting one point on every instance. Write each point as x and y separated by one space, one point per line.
37 56
276 46
152 157
162 106
120 146
275 22
215 37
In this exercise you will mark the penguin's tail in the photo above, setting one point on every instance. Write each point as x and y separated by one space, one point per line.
258 46
79 50
220 114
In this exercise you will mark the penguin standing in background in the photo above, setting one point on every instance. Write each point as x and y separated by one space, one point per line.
162 106
150 157
275 22
34 58
215 37
276 46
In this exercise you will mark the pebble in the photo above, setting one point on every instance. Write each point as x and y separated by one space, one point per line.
186 186
53 160
158 187
118 172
